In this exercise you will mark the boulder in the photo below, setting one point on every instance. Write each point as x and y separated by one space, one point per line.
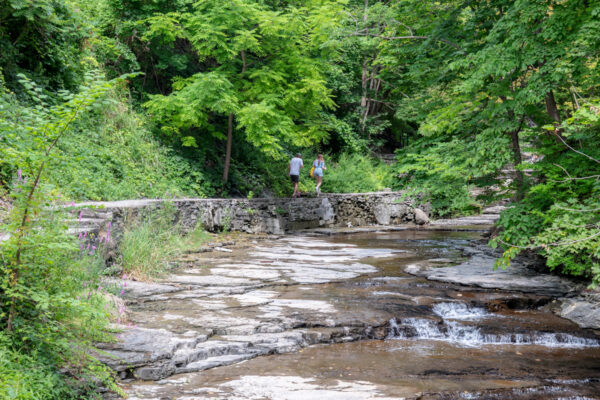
420 217
584 311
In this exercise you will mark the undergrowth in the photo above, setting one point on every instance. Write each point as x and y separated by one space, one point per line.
348 173
151 242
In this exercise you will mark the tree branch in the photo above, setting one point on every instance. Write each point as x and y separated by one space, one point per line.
409 37
571 148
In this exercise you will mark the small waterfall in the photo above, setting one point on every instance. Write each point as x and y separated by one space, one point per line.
459 311
453 331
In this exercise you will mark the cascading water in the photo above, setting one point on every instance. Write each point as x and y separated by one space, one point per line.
459 311
453 331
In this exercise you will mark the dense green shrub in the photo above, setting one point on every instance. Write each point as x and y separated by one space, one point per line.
560 215
445 171
356 173
52 307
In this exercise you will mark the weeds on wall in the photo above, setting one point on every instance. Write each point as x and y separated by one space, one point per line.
152 241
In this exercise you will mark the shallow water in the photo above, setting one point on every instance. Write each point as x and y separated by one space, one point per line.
438 341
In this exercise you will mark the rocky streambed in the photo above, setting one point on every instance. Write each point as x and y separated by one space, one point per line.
373 315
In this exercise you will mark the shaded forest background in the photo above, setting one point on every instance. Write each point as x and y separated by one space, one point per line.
464 102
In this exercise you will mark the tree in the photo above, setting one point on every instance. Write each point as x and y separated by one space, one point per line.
258 75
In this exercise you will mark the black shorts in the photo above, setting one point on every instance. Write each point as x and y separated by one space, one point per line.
295 178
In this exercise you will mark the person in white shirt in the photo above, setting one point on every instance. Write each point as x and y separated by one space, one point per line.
294 172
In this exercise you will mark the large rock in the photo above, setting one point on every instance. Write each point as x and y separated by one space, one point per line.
420 217
583 310
479 271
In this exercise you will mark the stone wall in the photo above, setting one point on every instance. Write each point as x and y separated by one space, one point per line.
263 215
269 215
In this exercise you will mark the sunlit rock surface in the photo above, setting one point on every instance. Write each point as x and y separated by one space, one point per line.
338 317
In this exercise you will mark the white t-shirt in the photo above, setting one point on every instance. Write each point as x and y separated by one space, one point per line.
295 165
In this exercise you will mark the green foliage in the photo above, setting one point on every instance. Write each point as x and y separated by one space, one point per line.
46 311
41 38
353 173
445 171
30 376
559 218
151 242
257 67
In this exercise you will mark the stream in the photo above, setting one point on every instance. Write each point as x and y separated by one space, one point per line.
338 317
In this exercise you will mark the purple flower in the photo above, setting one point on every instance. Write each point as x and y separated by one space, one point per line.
80 215
80 234
150 184
101 239
84 234
122 292
119 320
19 174
72 204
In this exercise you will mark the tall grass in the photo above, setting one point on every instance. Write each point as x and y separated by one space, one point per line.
152 241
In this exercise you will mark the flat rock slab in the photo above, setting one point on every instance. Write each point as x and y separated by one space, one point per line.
135 289
479 271
583 310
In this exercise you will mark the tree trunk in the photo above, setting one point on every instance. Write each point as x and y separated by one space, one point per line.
228 151
363 101
230 129
552 110
519 178
551 107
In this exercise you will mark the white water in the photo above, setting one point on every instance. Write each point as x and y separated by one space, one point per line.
459 311
471 336
453 331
